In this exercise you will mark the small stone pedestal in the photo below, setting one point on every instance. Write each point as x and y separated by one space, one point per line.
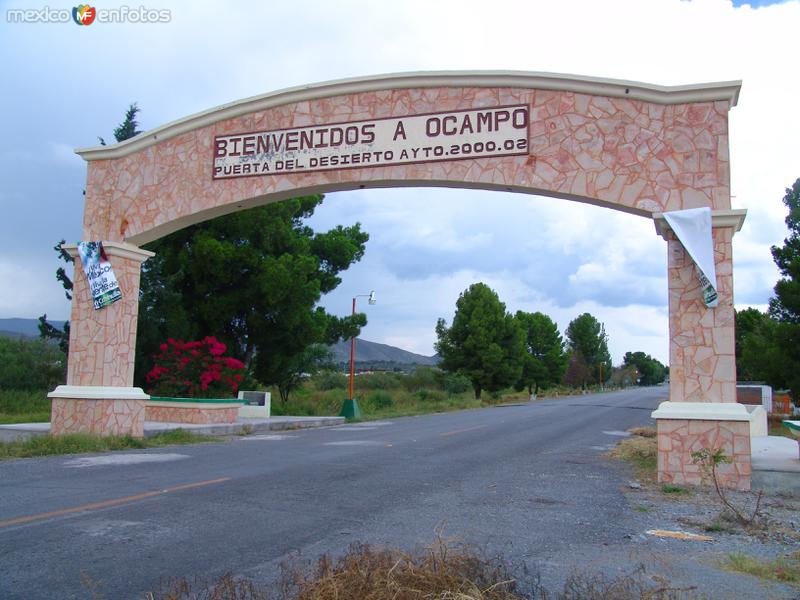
97 410
686 427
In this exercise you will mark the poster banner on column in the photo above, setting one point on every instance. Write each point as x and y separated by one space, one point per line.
693 228
102 282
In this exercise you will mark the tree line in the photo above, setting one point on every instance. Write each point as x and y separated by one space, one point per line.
496 350
768 343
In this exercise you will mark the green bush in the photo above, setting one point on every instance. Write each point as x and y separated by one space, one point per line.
426 395
293 409
378 381
379 400
330 380
310 402
31 365
421 377
453 383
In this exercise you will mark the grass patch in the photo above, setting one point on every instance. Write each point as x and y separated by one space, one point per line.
669 488
641 453
385 394
19 406
785 569
374 404
30 417
717 527
81 443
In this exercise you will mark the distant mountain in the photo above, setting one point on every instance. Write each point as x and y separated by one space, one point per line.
28 328
366 352
373 352
14 335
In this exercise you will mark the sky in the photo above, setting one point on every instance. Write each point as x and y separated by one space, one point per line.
64 85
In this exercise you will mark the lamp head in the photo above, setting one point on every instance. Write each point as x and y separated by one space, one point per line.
371 299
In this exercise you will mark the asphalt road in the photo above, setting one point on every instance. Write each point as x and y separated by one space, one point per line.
529 481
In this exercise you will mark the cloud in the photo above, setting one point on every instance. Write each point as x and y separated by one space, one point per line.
65 154
16 155
27 294
407 310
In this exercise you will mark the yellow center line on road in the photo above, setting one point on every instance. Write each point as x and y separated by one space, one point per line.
457 431
108 503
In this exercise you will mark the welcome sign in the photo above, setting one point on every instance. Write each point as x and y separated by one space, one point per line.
99 273
454 135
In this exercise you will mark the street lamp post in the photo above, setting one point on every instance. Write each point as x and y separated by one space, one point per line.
350 407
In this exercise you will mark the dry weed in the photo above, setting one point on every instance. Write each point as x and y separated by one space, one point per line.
227 587
441 572
645 432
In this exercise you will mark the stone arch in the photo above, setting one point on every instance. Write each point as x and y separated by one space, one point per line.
635 147
630 146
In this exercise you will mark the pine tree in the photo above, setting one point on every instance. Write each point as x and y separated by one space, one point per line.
485 344
545 359
785 306
587 337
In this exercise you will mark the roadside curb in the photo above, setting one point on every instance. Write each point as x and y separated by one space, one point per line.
25 431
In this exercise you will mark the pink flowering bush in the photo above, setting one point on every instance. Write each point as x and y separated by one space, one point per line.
194 370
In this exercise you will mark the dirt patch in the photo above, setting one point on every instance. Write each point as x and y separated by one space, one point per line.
777 517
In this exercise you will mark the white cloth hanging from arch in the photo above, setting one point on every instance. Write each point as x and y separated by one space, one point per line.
693 228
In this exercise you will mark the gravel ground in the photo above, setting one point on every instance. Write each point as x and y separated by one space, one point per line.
695 566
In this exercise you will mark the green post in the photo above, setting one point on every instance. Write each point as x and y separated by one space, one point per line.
350 409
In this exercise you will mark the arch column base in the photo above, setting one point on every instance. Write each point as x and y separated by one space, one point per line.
98 410
686 427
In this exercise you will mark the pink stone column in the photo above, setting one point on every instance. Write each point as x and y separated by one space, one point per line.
702 364
99 397
702 412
